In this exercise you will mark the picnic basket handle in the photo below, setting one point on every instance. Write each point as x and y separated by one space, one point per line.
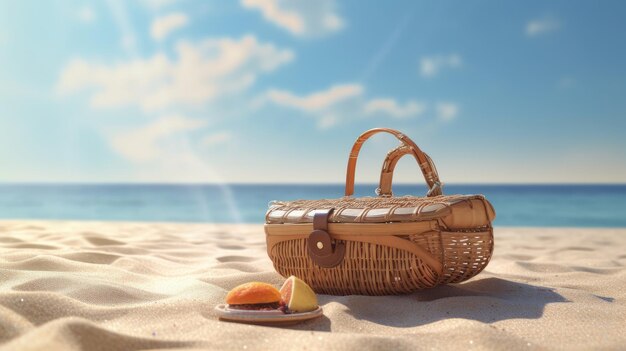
428 170
386 173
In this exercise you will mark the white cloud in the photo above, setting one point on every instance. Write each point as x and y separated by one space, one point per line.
164 150
299 17
342 102
392 108
202 72
144 144
316 101
446 111
217 138
325 105
542 26
431 65
162 26
156 5
86 14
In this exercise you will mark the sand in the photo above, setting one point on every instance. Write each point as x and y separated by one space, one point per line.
131 286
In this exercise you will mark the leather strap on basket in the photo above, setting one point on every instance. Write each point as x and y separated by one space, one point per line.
389 165
428 170
387 240
320 246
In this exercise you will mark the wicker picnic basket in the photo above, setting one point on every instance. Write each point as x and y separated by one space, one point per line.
382 245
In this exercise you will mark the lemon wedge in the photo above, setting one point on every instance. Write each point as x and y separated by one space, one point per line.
298 296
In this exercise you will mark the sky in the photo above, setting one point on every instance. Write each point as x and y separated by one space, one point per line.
273 91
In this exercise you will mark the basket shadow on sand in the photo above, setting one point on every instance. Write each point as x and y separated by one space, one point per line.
485 300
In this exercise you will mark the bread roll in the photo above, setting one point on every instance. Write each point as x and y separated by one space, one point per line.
253 293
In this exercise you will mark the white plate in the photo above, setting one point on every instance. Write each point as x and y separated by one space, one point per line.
274 316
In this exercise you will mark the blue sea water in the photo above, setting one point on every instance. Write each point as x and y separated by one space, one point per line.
516 205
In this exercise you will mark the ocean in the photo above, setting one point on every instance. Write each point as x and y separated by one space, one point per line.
516 205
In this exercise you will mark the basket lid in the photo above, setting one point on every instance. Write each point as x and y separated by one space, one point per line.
374 209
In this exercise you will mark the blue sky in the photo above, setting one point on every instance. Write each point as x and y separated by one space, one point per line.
277 91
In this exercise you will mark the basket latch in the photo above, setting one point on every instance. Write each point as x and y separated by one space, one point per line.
321 248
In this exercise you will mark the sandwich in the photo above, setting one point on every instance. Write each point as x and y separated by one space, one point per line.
254 296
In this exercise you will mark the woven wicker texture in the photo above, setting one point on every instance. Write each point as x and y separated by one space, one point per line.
393 245
366 269
370 269
368 209
463 253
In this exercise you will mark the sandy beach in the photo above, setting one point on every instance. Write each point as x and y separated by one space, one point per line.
132 286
